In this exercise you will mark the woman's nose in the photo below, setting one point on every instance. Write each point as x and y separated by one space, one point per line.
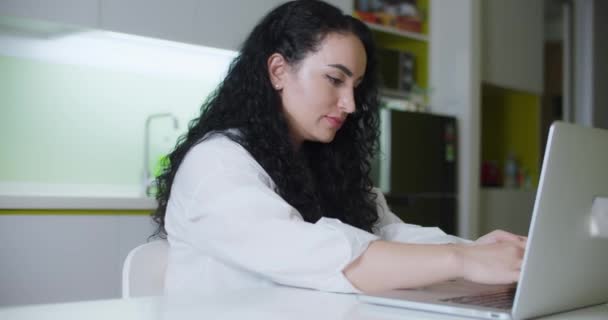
347 102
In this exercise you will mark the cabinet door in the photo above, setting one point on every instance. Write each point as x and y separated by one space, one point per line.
51 258
225 24
73 12
171 20
512 44
221 24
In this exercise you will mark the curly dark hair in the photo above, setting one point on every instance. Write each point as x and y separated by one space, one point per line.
320 179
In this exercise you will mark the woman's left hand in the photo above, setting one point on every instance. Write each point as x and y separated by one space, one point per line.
501 236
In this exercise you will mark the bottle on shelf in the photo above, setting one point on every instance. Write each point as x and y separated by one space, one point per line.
511 172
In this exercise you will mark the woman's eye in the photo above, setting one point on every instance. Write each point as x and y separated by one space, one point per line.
335 81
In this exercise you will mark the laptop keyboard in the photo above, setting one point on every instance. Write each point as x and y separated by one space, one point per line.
499 300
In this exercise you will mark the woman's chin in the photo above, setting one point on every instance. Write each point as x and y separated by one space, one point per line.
327 138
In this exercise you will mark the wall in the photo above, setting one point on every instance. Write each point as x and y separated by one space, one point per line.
73 112
455 84
590 106
506 209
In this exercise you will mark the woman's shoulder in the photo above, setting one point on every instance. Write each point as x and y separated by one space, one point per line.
218 145
219 151
219 141
215 164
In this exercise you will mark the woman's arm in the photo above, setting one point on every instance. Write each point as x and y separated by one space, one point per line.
391 265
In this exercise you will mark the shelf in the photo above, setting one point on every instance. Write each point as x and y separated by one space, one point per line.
398 32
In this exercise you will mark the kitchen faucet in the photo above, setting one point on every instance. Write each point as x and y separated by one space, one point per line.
147 179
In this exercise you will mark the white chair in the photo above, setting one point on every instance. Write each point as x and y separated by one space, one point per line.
143 273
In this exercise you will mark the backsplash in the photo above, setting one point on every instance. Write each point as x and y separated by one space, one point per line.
80 124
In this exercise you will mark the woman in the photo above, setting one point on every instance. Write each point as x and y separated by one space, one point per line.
271 183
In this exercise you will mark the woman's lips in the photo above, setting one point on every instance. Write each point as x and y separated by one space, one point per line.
335 122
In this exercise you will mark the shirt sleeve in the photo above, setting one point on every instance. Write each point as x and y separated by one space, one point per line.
235 215
391 228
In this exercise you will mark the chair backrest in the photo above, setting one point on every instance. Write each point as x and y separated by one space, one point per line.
143 273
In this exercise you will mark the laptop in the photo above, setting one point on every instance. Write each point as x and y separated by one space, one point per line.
565 264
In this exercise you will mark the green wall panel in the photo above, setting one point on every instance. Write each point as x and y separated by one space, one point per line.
79 124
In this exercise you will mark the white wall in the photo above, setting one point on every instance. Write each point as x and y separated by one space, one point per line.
506 209
455 84
590 69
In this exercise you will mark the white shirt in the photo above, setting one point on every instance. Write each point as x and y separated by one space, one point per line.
228 229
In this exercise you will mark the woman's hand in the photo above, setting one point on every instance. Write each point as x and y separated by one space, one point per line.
494 258
500 236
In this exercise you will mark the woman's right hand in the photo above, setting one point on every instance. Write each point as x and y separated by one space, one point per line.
492 263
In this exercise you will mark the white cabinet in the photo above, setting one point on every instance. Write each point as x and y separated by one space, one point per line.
74 12
225 24
220 24
66 257
506 209
170 20
512 44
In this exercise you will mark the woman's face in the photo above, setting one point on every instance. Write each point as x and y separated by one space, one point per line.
317 93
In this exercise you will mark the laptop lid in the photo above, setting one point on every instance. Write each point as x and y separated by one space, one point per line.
565 264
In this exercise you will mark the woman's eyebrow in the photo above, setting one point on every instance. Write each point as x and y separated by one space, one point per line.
342 68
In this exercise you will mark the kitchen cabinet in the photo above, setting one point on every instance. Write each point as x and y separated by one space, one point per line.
512 44
72 12
219 24
170 20
506 209
51 256
225 24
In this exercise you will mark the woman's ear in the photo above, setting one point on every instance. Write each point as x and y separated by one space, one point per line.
277 70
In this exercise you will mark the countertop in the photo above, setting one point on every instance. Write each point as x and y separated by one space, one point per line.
50 196
61 202
267 304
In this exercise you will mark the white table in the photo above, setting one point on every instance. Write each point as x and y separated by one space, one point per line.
260 304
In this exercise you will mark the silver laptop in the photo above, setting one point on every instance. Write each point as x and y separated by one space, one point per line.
566 260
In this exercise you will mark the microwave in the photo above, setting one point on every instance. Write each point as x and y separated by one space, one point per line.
396 69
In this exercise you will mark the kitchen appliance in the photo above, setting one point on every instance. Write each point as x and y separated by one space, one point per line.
396 69
416 167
